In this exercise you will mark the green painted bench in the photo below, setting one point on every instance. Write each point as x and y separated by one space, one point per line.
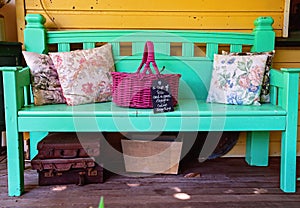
192 114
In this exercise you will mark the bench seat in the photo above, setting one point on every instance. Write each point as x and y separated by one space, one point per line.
189 115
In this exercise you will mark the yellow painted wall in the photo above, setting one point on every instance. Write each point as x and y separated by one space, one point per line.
229 15
164 14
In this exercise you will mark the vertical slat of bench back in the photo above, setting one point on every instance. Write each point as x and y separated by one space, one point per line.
211 49
188 49
236 48
276 86
63 47
88 45
116 49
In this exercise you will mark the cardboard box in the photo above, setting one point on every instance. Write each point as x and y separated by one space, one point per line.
151 156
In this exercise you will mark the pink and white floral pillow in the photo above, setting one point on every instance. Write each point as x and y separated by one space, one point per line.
85 74
237 79
45 84
265 89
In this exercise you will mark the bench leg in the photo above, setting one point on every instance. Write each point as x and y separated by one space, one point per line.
257 148
15 163
35 137
288 161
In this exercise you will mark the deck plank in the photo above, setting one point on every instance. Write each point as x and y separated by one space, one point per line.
223 182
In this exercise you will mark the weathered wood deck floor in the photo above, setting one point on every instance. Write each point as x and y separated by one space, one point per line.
223 182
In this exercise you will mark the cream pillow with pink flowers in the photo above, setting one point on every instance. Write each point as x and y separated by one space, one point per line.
237 79
85 75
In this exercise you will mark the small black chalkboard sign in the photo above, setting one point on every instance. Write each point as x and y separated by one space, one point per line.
161 96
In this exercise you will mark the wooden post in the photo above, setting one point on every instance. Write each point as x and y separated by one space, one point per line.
35 34
289 136
15 156
264 35
257 144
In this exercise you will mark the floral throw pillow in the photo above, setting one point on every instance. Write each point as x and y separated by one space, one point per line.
85 74
237 79
46 87
265 88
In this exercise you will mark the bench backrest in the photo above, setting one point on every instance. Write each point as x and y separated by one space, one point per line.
189 53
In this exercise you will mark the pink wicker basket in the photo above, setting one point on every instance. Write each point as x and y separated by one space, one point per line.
134 89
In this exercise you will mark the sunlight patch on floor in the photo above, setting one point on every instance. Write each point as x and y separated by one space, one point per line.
59 188
182 196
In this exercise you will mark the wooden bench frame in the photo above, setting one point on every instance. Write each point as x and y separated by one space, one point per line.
192 113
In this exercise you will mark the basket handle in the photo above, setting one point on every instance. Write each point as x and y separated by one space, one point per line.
148 57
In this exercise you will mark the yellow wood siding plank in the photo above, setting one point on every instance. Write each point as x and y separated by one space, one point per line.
20 14
286 65
162 5
231 15
287 55
160 20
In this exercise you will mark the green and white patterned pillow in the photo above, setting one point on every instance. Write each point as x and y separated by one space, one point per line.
237 79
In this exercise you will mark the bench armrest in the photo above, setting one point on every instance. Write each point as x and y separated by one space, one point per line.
16 86
284 87
291 70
